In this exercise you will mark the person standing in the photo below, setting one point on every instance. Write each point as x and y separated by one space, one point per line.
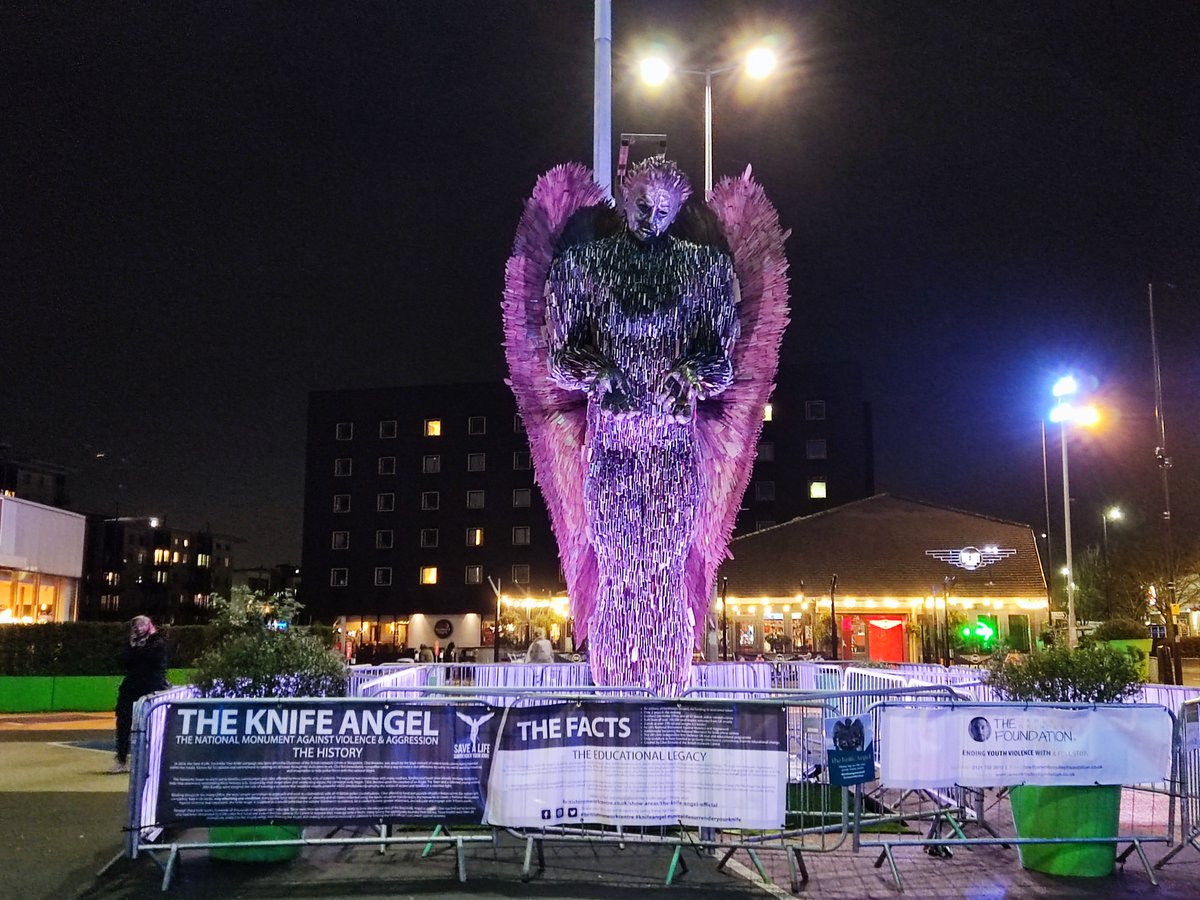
145 662
540 651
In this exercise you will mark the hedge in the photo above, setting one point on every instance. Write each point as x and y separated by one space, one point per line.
88 648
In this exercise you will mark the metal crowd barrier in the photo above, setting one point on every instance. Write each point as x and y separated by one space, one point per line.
1188 779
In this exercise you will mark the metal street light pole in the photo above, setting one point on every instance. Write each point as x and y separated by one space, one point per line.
1072 633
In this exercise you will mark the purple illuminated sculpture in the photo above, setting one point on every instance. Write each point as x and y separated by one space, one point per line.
642 349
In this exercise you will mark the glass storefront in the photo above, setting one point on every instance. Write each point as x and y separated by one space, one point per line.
32 597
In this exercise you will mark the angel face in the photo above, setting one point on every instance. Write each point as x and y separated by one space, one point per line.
654 190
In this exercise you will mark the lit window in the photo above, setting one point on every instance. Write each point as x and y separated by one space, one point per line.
175 556
520 536
383 576
429 537
160 577
477 425
520 574
384 539
474 537
161 555
185 542
341 503
476 462
431 464
521 459
339 577
814 448
814 410
385 502
764 490
768 412
341 540
766 451
764 523
816 490
473 575
518 424
433 428
345 431
387 465
429 500
387 429
112 578
521 497
342 467
474 499
203 560
428 574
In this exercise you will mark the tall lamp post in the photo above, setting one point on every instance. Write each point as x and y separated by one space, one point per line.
1065 413
1112 514
758 64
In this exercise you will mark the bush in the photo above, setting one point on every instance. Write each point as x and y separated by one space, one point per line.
1121 630
1095 674
1189 646
260 654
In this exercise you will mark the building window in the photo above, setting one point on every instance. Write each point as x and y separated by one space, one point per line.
477 425
768 412
764 490
814 410
339 577
160 577
383 576
341 503
342 467
431 464
521 459
341 540
520 536
764 523
429 537
344 431
473 575
387 429
814 448
474 499
433 428
387 465
474 537
385 502
429 500
766 451
816 490
520 574
476 462
521 497
428 574
385 539
518 424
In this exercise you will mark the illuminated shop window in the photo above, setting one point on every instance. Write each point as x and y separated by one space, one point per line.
428 574
474 537
433 428
816 490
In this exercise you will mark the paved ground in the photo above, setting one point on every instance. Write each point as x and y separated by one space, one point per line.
62 822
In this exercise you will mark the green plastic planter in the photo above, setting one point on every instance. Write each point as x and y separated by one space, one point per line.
247 833
1090 811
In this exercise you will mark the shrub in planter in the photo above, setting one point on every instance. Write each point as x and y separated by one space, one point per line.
261 654
1093 674
1132 637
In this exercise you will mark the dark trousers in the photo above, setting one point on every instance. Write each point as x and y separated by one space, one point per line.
126 697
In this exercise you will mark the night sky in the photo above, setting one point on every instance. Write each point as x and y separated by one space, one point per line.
209 209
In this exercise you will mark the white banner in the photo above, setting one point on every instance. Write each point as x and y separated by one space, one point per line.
989 746
639 764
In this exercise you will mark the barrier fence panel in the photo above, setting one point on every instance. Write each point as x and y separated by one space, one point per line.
1188 779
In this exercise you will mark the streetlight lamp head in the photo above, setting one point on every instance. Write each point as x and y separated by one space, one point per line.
1063 412
760 62
1114 514
655 70
1065 386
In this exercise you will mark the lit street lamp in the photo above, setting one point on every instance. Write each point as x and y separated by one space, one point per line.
1066 413
1112 514
758 64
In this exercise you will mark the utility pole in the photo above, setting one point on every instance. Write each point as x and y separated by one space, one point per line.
833 629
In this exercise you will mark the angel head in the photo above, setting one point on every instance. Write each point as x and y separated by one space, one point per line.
653 191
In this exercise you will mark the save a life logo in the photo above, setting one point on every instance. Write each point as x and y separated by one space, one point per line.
473 747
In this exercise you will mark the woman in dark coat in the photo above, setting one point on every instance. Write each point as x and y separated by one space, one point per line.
145 663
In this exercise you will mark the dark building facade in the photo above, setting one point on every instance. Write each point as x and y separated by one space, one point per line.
414 498
816 450
32 479
140 566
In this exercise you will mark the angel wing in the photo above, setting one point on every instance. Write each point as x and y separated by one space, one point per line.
555 420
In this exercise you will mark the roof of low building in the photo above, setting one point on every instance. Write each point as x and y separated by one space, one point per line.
886 546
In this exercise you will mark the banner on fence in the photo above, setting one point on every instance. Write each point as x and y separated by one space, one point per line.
986 746
639 764
850 750
324 761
